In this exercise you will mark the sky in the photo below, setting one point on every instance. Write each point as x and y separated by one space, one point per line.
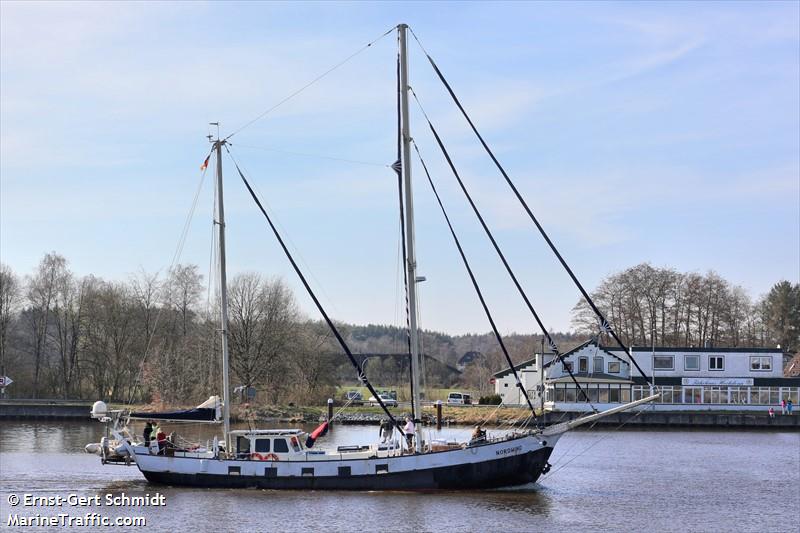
662 132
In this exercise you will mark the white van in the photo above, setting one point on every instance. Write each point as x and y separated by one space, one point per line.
459 398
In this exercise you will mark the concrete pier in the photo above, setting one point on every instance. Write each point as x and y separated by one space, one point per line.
45 409
707 419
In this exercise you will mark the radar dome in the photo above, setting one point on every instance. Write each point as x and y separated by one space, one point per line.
99 409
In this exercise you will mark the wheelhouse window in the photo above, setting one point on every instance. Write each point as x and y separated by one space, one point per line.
691 362
243 445
613 367
716 362
262 445
280 446
597 364
583 364
664 362
760 363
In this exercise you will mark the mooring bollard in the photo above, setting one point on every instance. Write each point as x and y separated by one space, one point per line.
330 413
438 415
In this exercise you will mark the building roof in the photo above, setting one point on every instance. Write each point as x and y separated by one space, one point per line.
590 342
519 366
737 349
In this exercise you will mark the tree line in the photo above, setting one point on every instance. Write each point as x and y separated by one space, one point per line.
647 305
156 338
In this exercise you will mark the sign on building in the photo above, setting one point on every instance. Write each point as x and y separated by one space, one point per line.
717 381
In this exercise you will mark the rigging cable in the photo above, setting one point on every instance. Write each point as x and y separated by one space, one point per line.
361 375
500 253
475 284
603 322
305 154
175 257
309 84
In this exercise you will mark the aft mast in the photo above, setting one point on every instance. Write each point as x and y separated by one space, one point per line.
411 260
220 223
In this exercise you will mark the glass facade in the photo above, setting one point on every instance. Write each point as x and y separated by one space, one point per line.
717 395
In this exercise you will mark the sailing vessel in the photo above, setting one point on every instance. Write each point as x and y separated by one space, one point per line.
285 458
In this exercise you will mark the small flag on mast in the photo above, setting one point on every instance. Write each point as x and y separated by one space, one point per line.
205 163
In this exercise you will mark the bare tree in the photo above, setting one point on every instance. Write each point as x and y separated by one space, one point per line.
263 330
10 291
66 332
42 289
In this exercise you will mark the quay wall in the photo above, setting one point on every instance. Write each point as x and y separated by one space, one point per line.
687 419
45 409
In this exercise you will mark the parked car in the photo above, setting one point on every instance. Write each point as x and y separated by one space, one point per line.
388 401
459 398
354 397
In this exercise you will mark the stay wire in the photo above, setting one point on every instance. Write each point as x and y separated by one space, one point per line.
309 84
593 444
331 325
475 283
317 156
604 323
297 253
497 249
175 257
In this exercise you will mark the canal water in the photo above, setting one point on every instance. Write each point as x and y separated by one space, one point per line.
600 480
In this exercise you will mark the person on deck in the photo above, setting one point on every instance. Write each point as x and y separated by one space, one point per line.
789 407
479 435
386 430
409 430
161 438
783 406
148 431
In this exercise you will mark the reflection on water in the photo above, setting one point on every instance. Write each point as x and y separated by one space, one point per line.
627 480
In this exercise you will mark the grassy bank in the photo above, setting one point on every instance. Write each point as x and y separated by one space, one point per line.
462 415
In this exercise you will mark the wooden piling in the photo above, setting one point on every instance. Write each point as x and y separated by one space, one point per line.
330 413
438 415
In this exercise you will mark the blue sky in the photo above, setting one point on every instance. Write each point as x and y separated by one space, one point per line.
665 132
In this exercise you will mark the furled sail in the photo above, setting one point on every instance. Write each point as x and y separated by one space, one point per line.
208 411
317 433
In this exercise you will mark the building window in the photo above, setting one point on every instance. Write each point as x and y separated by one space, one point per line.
505 384
691 362
663 362
716 362
568 366
613 367
598 365
760 362
583 364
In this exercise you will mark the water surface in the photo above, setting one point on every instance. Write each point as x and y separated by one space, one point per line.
601 480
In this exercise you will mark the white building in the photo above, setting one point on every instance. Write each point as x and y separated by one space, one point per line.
688 378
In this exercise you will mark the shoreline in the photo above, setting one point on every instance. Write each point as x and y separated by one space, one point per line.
490 416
